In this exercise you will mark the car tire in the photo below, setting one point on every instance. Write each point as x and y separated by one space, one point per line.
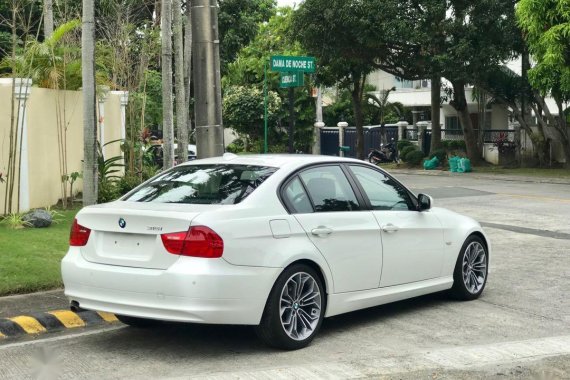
293 315
141 323
471 270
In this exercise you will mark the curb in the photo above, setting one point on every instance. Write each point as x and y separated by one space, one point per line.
39 323
477 175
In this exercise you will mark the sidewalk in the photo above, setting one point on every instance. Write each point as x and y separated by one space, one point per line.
475 175
24 304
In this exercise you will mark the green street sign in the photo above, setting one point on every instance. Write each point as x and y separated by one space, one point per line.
292 80
284 63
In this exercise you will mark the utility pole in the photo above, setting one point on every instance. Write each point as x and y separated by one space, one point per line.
207 81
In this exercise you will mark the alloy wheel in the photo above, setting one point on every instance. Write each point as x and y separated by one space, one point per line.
474 267
300 306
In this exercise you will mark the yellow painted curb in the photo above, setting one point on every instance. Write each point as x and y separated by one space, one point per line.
28 324
68 318
107 317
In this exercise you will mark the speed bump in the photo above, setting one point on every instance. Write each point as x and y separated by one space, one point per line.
38 323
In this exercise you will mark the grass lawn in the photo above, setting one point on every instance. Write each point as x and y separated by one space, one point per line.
30 257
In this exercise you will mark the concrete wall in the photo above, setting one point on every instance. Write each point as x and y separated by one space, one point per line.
44 108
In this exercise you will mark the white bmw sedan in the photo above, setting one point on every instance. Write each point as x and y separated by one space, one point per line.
275 241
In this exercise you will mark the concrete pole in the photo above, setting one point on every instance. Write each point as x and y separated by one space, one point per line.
207 81
22 91
341 125
421 137
317 137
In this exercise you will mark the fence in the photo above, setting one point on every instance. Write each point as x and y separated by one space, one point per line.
372 139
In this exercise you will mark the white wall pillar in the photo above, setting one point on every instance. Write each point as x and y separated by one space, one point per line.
402 126
22 90
341 125
102 94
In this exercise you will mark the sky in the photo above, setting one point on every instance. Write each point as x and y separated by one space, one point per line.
284 3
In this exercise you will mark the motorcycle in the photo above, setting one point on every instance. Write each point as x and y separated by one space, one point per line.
387 153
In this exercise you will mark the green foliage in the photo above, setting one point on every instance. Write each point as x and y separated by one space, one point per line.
405 150
243 110
107 191
453 145
546 27
415 157
108 168
54 63
237 146
31 257
15 221
127 183
403 143
238 22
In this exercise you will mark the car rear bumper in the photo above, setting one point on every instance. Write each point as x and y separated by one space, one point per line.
191 290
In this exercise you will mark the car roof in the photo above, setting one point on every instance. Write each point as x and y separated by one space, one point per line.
272 160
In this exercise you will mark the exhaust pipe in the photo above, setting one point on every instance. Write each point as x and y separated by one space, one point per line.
74 306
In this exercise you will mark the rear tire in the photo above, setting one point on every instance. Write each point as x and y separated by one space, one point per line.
141 323
471 270
295 309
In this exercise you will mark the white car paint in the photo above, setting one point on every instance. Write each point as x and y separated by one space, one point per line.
361 265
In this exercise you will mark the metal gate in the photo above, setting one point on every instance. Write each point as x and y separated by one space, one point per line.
372 138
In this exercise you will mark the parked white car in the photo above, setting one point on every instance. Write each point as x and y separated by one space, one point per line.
275 241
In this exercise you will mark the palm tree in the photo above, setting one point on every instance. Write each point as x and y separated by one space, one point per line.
181 108
89 117
384 108
167 123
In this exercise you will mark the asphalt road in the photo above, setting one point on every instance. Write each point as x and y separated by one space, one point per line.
519 328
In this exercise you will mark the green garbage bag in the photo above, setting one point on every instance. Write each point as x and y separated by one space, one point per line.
431 164
464 165
453 164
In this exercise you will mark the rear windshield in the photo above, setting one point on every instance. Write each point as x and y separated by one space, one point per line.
203 184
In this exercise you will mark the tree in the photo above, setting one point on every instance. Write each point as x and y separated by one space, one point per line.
385 108
167 122
546 27
344 57
89 115
180 88
243 110
48 18
238 23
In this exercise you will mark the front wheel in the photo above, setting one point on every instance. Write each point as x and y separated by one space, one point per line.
471 269
295 309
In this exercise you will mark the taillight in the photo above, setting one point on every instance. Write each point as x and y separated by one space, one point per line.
198 241
79 235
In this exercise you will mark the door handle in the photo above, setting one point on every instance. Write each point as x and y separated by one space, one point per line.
390 228
321 230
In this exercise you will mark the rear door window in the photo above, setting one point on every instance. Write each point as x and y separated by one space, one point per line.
203 184
329 189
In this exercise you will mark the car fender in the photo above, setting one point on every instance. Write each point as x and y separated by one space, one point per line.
456 229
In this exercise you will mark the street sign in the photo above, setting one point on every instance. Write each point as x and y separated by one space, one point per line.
284 63
291 80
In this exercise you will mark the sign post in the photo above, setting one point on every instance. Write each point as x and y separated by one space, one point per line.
292 71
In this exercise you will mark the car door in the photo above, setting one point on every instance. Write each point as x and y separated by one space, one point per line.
324 202
412 241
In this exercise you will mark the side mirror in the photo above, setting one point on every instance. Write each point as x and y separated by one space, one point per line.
425 202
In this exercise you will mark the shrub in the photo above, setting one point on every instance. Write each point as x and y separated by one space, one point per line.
454 145
415 158
403 143
108 191
441 154
237 146
127 183
406 150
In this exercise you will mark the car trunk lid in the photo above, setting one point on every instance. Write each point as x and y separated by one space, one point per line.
128 233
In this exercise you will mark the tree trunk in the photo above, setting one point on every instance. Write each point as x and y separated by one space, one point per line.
48 18
89 127
459 103
188 61
357 93
167 123
435 115
180 98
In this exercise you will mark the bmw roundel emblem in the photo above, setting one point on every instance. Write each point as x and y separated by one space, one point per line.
122 223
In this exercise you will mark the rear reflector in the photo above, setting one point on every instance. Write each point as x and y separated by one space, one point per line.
79 235
198 241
